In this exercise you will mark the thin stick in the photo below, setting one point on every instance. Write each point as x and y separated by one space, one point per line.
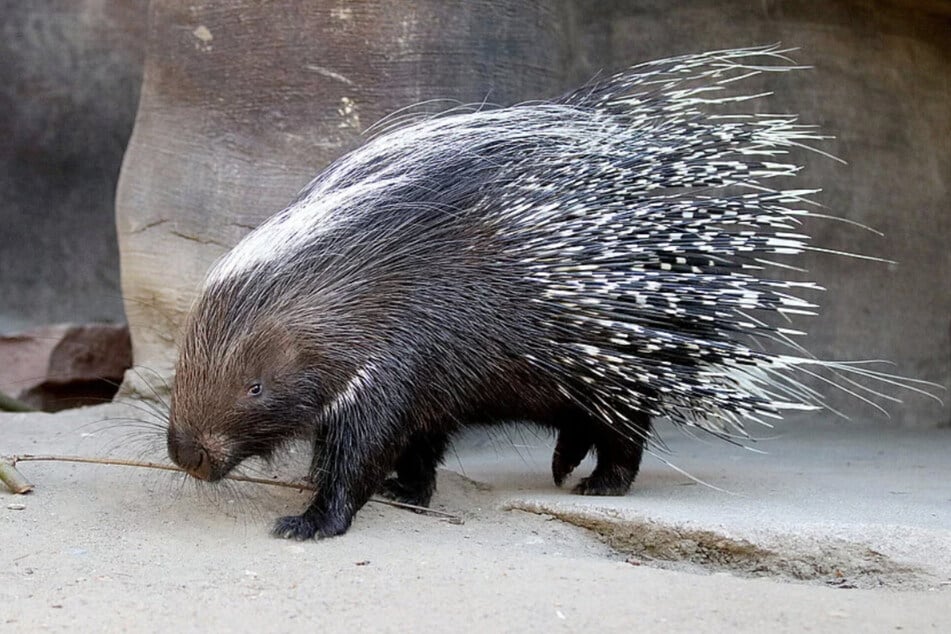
13 478
11 461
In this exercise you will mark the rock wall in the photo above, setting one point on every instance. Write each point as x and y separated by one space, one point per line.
242 104
69 85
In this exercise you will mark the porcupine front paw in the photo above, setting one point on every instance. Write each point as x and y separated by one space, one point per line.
416 493
303 527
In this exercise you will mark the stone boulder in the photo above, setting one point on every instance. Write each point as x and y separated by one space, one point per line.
66 365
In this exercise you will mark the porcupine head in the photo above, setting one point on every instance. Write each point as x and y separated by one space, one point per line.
248 377
263 362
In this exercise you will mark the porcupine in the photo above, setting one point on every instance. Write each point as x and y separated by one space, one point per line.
586 264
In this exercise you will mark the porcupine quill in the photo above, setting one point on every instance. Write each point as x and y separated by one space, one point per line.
587 264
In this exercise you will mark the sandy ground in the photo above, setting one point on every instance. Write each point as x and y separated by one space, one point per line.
844 528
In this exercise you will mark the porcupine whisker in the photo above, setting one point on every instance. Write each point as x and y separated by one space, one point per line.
147 408
157 404
138 430
124 422
156 375
132 441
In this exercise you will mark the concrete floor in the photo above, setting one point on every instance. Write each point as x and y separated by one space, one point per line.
840 526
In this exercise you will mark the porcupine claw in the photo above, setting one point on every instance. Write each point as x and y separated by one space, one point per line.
304 527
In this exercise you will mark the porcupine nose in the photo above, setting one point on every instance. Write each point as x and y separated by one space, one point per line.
189 455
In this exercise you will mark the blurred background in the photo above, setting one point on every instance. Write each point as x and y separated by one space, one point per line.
139 140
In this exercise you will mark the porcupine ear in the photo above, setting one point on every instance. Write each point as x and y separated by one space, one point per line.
271 349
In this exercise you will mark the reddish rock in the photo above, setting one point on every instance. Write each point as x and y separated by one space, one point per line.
64 365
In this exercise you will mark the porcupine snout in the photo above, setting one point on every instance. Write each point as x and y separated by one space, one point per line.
187 453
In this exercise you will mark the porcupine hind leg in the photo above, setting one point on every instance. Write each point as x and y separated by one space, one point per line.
415 479
570 449
619 458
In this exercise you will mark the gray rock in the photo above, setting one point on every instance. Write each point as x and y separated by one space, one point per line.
69 84
66 365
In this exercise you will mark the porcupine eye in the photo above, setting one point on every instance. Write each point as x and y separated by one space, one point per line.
255 389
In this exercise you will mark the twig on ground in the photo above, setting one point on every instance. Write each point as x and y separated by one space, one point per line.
9 475
13 478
